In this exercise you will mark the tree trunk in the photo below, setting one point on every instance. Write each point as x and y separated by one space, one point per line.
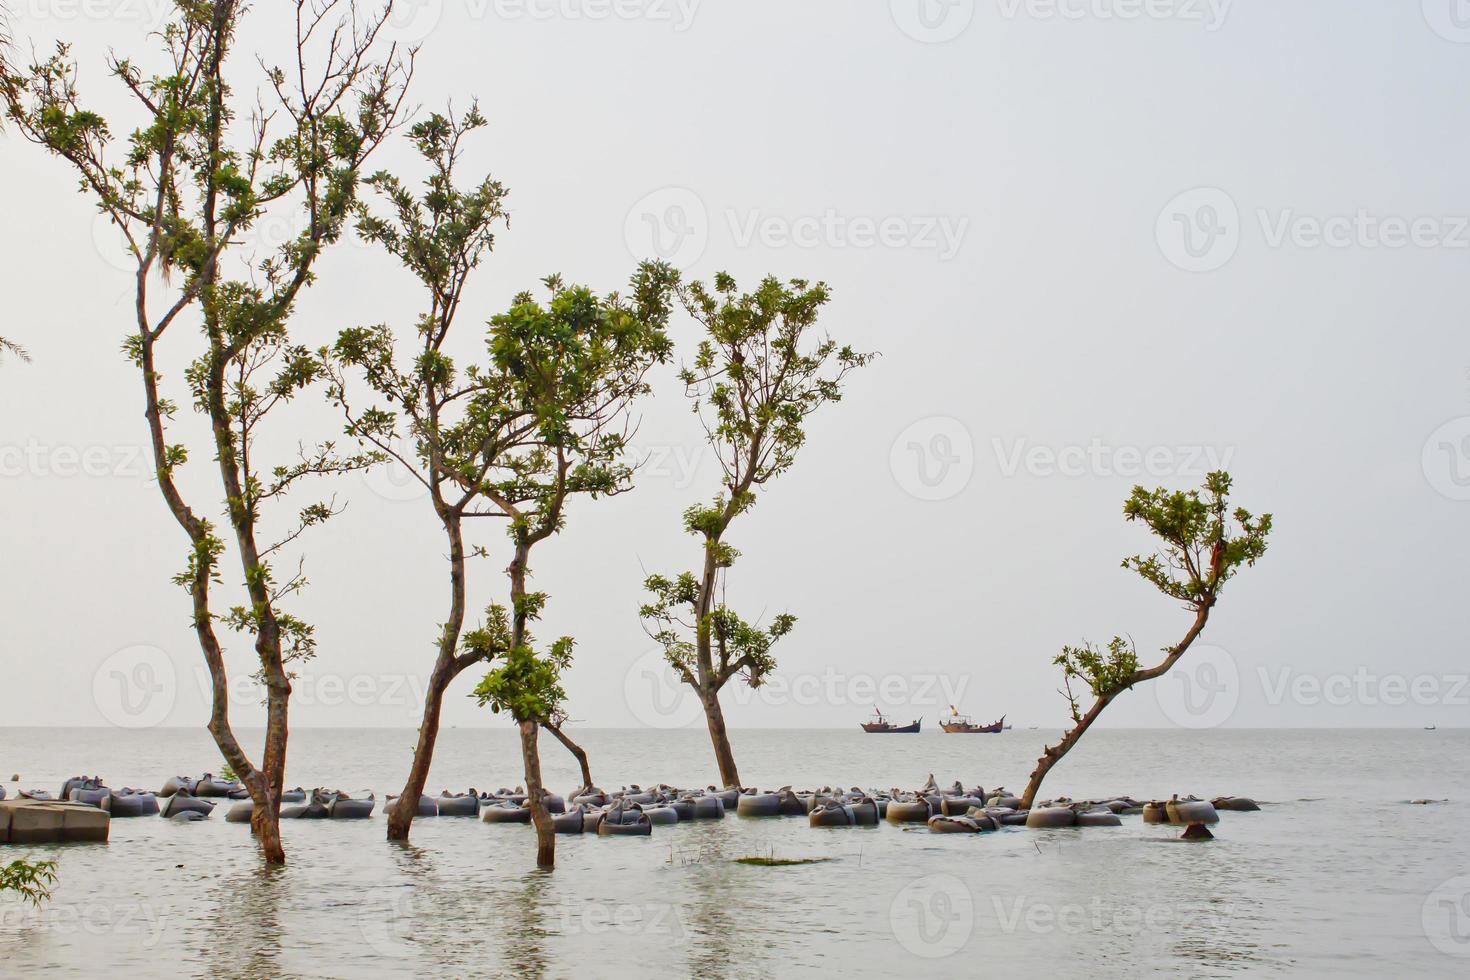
540 816
265 824
530 753
400 816
575 749
1054 754
446 669
724 755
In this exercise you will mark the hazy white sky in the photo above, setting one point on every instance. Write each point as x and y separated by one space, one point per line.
1098 242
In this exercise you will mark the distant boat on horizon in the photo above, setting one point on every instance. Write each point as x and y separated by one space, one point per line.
1431 728
882 726
965 724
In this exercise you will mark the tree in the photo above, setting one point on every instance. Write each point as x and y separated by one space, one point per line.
31 880
578 363
556 725
11 347
757 376
1202 546
199 171
441 237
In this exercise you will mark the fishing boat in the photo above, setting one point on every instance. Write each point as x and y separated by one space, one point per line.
964 723
882 726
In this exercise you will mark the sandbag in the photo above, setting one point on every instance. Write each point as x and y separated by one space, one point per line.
707 808
505 813
130 803
182 802
1052 816
908 811
759 805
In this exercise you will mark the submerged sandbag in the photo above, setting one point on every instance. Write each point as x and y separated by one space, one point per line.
182 802
505 813
1052 816
610 828
340 806
133 803
1155 811
707 808
661 814
79 783
242 810
315 808
1191 811
175 784
1099 818
1016 818
297 795
208 786
101 797
790 804
831 814
458 805
1236 804
941 824
908 811
958 806
759 805
571 822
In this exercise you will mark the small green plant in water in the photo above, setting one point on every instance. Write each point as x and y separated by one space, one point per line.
771 861
30 880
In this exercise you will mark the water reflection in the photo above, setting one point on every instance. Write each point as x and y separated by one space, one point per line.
523 918
245 926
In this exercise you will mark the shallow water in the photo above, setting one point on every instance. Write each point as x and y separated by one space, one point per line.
1337 876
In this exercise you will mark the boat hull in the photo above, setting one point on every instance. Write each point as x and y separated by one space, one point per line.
967 728
875 728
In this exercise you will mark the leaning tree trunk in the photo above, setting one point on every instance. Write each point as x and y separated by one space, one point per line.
724 754
446 669
1054 753
400 816
576 750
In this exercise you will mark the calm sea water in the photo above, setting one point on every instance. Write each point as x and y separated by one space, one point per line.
1338 876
